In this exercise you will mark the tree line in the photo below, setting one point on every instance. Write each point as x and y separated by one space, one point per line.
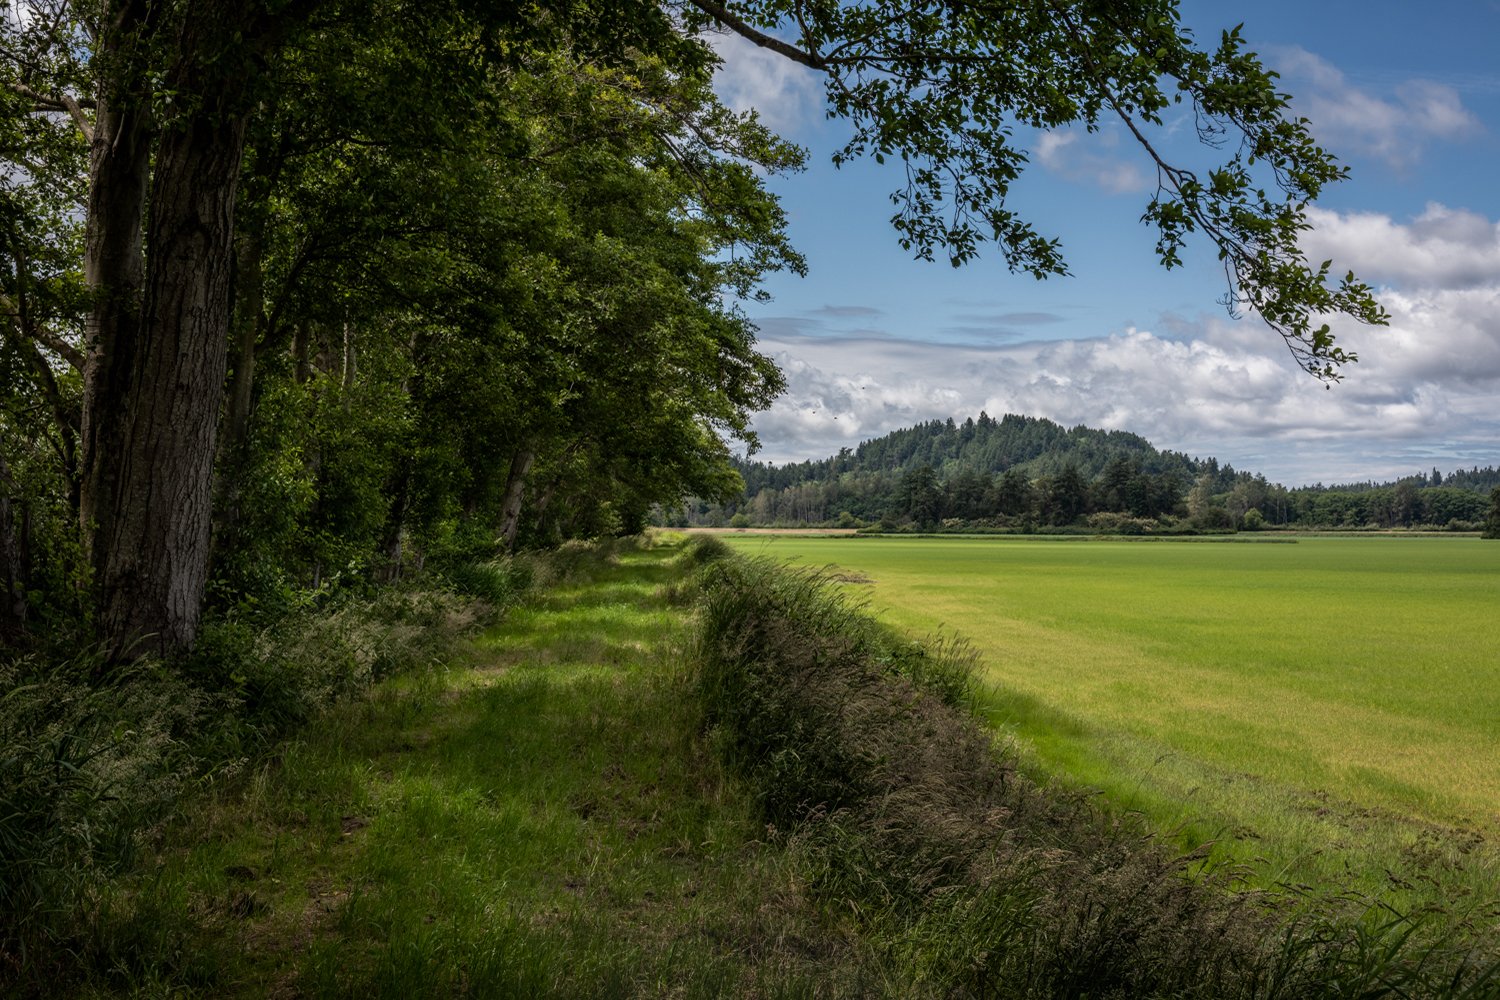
492 306
1025 473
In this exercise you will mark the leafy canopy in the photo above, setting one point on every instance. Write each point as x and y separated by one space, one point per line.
943 86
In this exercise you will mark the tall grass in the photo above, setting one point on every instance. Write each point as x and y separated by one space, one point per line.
540 820
92 760
982 883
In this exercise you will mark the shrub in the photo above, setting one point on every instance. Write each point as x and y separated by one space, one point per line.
83 767
497 581
704 549
1112 523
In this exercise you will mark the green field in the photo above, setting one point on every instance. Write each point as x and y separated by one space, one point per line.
1316 701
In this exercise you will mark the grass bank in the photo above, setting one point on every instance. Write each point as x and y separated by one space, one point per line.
985 883
1327 707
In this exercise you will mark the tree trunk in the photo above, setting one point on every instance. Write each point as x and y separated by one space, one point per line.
158 334
247 324
301 362
515 489
395 523
539 509
250 321
12 556
114 269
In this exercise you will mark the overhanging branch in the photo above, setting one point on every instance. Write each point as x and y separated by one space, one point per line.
722 15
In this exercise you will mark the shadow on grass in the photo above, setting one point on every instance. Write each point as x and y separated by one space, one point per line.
544 822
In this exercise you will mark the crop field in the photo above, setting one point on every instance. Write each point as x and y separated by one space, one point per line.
1329 704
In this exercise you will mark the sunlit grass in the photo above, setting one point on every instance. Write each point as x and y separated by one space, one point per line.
1320 700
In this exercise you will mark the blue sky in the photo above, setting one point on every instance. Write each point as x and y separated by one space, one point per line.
1408 95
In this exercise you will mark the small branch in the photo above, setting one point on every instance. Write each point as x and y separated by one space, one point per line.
723 16
46 102
67 102
79 118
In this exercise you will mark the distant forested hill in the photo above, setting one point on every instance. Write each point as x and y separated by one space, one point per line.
985 445
1027 473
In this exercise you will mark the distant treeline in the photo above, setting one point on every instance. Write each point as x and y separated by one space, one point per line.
1026 473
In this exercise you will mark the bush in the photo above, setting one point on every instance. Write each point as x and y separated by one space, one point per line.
704 549
497 581
1111 523
84 767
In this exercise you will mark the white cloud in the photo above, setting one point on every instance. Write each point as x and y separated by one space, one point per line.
1441 248
1422 394
1089 158
787 94
1349 118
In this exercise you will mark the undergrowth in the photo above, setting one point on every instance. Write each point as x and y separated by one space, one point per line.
869 765
94 758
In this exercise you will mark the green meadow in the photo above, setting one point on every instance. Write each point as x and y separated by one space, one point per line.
1330 706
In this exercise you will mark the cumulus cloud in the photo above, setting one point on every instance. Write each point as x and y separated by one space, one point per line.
786 94
1422 395
1089 158
1441 248
1392 128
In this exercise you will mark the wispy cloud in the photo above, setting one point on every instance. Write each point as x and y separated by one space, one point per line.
1090 158
786 94
1392 128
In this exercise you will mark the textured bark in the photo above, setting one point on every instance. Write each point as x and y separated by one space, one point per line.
12 556
159 331
151 546
114 262
515 489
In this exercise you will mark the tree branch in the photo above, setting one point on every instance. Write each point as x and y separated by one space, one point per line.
67 102
75 109
721 14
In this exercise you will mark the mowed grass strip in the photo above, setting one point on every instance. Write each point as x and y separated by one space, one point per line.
543 821
1317 699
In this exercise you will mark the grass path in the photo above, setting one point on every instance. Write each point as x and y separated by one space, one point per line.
541 821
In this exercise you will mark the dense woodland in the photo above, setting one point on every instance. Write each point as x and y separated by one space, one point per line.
1026 473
